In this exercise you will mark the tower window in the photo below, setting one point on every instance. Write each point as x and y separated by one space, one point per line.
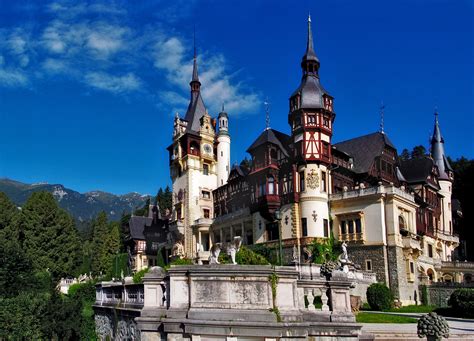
205 169
302 188
326 122
206 213
271 185
311 119
323 181
206 194
222 153
304 227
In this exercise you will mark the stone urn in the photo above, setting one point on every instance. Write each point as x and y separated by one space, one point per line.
433 327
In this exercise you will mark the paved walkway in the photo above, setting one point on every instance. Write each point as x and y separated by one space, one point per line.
460 329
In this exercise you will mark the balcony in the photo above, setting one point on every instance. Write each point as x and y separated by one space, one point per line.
458 266
453 239
410 242
116 294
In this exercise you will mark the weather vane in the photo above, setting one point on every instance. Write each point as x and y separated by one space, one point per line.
267 114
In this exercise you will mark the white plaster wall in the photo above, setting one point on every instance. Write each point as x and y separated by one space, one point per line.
373 219
314 201
223 159
446 187
286 227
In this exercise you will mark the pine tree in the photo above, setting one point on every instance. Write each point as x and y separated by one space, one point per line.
8 211
418 152
100 233
405 155
111 247
48 235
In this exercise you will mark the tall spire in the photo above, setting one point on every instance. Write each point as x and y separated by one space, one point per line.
267 114
195 83
310 62
382 108
437 152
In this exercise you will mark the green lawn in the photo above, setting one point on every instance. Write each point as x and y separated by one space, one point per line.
363 317
422 309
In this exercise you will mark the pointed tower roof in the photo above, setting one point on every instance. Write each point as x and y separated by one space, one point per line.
310 89
437 152
310 54
196 107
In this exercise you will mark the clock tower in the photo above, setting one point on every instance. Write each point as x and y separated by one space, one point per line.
193 169
311 117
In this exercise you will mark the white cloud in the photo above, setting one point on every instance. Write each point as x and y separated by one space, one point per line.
217 85
13 78
115 84
94 43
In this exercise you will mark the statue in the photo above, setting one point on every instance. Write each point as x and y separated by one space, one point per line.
233 248
295 255
215 251
344 251
309 255
178 250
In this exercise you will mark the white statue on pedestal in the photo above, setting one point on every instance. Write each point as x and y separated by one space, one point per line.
215 251
233 248
344 252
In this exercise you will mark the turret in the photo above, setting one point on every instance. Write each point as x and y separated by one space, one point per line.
445 177
311 119
223 148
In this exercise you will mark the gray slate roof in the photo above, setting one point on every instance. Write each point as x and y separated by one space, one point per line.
417 170
365 149
311 92
195 112
437 151
137 226
272 136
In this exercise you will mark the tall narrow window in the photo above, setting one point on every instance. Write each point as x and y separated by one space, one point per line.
271 185
206 213
343 227
351 226
358 225
205 169
323 181
326 228
302 188
304 226
368 265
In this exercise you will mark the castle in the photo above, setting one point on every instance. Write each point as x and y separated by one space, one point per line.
394 215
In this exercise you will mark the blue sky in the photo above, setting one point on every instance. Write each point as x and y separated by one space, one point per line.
88 90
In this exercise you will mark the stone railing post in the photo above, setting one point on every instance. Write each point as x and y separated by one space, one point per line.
154 290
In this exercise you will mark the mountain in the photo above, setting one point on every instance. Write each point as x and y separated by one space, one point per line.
82 206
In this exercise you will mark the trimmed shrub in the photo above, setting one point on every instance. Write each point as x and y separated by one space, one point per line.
379 297
462 300
138 277
248 257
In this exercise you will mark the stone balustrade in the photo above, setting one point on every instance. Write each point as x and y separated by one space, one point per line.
118 294
360 192
186 302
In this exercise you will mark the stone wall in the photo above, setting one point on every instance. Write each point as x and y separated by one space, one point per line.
439 293
360 253
229 301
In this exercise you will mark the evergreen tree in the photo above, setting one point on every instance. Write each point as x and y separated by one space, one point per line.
418 152
48 235
405 155
111 247
100 233
164 199
8 211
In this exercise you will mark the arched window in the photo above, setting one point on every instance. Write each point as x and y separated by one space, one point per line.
401 223
271 185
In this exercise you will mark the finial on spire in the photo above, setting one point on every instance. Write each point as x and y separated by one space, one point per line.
382 108
223 107
195 67
267 114
309 17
